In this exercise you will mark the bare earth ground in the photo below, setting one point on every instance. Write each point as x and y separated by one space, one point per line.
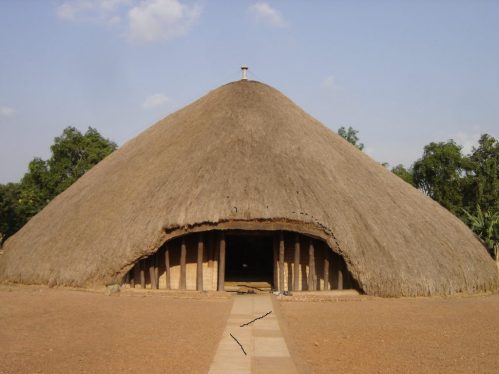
66 331
416 335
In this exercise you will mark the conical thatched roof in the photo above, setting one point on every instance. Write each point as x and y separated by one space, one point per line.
245 156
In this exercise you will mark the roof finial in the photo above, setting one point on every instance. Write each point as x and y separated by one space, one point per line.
244 70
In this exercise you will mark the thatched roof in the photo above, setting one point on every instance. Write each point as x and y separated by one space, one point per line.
245 156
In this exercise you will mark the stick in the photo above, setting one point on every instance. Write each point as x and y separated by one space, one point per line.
250 322
237 341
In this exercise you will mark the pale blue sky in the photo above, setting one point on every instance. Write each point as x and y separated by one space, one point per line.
402 73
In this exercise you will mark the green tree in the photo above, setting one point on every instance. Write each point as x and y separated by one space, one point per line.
439 174
405 174
73 154
486 226
351 136
10 217
34 193
482 187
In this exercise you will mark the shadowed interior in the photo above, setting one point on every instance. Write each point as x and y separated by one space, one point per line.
249 258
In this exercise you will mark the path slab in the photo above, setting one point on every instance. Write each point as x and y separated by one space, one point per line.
262 340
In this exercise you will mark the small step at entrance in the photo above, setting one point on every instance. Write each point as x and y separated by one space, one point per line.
248 287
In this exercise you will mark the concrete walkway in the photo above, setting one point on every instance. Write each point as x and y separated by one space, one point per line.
266 350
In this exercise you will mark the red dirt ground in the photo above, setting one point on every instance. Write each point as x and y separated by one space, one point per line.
68 331
407 335
65 331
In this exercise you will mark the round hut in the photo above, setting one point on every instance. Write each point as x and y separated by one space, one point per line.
242 186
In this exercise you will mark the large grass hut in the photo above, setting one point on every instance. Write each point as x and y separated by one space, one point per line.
244 186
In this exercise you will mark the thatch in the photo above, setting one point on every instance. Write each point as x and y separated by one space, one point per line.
245 156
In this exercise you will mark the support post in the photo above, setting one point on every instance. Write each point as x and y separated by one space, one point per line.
167 266
326 267
156 269
132 277
183 270
142 273
281 261
276 261
340 273
311 265
211 248
296 267
152 272
221 262
199 272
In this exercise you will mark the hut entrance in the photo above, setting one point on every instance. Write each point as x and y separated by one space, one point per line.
234 260
249 260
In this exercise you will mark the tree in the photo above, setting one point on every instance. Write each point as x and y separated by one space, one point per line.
73 154
405 174
10 217
439 174
486 226
351 136
485 178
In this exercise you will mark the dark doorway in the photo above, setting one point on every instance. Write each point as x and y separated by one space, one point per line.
249 258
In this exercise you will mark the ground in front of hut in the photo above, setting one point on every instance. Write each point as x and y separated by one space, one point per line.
46 330
406 335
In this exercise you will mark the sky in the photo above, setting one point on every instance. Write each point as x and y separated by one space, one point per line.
403 73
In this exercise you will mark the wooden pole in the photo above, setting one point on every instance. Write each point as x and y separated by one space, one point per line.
211 248
183 270
152 272
221 262
132 277
199 273
281 261
142 273
167 266
340 273
296 268
276 261
326 267
156 269
311 265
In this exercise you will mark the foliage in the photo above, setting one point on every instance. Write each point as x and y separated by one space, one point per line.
73 154
351 136
486 226
10 217
405 174
467 185
485 179
439 174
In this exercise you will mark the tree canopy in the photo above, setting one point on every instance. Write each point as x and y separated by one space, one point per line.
72 155
467 185
439 173
350 135
405 174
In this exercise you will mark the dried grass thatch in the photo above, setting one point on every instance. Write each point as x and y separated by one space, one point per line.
245 156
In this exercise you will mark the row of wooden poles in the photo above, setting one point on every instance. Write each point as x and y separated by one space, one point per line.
151 264
279 255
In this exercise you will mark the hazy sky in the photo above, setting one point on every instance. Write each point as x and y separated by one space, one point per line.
402 73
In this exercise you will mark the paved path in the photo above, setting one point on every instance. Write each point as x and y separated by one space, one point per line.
262 340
